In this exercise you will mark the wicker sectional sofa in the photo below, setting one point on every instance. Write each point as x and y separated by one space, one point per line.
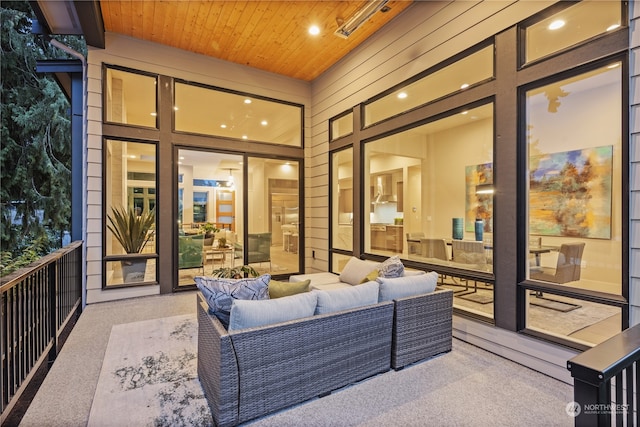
252 372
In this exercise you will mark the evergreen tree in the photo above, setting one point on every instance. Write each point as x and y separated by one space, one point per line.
35 151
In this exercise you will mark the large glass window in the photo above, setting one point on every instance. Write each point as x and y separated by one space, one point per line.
425 196
342 199
130 184
275 224
570 26
231 115
575 193
130 98
454 77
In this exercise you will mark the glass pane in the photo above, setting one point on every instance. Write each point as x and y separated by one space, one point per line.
342 199
571 26
130 98
130 185
210 192
427 187
338 261
575 180
584 322
342 126
470 70
274 245
230 115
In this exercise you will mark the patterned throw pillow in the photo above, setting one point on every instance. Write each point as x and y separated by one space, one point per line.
220 293
391 267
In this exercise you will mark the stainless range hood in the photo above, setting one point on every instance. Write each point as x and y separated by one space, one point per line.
384 190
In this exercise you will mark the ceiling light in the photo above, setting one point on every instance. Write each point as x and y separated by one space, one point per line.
264 123
360 17
247 101
556 24
244 136
464 112
223 126
314 30
464 85
613 27
154 114
402 95
175 108
181 157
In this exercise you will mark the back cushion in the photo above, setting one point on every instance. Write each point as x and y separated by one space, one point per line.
356 270
406 286
220 293
250 314
278 289
345 298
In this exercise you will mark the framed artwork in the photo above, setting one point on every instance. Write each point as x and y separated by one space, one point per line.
478 205
570 193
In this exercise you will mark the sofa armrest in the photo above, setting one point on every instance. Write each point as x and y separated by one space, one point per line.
422 327
217 367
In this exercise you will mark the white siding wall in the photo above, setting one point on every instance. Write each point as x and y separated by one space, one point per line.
634 167
154 58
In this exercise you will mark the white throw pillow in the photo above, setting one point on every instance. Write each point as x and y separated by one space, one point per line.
346 298
252 313
407 286
356 270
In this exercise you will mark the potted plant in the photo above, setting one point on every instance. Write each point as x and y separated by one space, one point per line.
133 232
209 229
235 272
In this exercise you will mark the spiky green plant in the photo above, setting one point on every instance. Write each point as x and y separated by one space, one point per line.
237 272
132 231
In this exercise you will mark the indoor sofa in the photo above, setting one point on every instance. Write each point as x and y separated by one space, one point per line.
252 372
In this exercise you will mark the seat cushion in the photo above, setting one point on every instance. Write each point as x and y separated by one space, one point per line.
346 298
406 286
252 313
316 278
220 292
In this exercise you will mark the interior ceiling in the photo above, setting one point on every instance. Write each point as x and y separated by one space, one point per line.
268 35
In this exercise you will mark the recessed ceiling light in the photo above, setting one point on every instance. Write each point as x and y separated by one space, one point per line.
402 95
181 157
264 123
244 136
314 30
559 23
154 114
464 85
175 108
223 126
247 101
612 27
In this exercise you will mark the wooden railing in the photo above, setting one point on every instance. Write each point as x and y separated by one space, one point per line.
37 304
606 381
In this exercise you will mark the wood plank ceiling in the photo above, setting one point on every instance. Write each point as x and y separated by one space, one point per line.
268 35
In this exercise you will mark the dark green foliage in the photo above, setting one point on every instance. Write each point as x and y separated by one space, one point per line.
35 151
132 231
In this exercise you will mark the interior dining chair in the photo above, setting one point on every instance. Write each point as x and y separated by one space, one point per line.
435 248
413 246
469 252
568 267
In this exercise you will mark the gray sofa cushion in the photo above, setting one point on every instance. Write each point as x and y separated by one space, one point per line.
249 314
345 298
220 293
406 286
355 270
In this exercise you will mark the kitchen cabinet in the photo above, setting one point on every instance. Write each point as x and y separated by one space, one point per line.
387 237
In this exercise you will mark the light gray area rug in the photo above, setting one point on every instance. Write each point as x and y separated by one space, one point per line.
149 379
149 376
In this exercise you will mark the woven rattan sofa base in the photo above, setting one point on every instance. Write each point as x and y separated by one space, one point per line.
249 373
422 327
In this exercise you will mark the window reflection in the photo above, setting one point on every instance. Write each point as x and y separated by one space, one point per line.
342 176
130 98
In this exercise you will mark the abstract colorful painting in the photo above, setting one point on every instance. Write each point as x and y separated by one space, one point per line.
570 193
478 206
